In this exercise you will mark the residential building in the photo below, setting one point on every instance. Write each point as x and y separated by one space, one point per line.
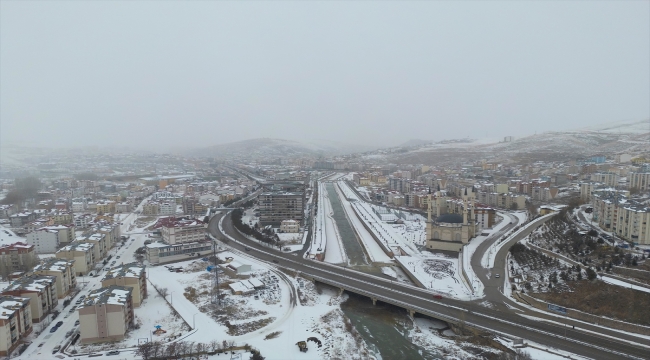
290 226
15 322
123 207
99 240
62 217
45 241
181 230
17 257
609 179
132 275
65 233
160 253
105 207
167 208
106 314
151 208
63 270
640 181
83 254
40 289
276 206
585 190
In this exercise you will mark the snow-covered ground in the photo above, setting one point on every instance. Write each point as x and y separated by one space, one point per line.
617 282
438 273
314 315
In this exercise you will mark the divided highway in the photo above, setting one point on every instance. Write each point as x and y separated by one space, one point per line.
500 322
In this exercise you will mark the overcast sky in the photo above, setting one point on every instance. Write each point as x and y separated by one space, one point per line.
182 74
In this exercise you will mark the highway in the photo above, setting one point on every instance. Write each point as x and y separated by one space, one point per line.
505 323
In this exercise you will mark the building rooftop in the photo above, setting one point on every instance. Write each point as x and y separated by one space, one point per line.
32 283
130 270
10 304
114 295
54 264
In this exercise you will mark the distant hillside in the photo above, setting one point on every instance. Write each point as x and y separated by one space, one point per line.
276 148
605 139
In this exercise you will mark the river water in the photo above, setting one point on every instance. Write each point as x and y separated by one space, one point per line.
385 329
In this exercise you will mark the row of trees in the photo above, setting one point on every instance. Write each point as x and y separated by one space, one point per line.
265 236
157 350
25 188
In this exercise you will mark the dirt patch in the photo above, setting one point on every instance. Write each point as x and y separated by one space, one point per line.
603 299
245 328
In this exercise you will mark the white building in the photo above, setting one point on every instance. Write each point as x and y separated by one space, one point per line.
168 208
45 241
640 181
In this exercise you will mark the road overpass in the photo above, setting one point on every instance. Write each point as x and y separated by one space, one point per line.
614 345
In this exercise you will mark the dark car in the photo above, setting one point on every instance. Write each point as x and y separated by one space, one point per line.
247 248
53 329
114 352
275 261
59 323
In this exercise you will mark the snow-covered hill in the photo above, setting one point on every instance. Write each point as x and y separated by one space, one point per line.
605 139
276 148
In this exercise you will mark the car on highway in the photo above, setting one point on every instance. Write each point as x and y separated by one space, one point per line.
275 261
114 352
247 248
41 344
436 296
497 276
76 323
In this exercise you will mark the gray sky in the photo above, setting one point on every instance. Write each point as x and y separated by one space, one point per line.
174 74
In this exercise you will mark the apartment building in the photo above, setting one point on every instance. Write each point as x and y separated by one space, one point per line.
639 181
17 257
609 179
15 322
290 226
64 272
628 219
106 314
276 206
99 241
585 190
65 233
181 230
160 253
83 255
40 289
105 207
123 207
44 241
62 217
151 208
132 275
167 208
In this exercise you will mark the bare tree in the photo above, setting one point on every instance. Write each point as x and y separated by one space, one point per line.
146 350
163 292
214 345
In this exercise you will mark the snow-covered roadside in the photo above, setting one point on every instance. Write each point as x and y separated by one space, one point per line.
375 252
617 282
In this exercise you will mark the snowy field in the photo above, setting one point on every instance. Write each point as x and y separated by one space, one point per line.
438 273
292 308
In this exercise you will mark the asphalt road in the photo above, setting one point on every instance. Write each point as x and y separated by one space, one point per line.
498 321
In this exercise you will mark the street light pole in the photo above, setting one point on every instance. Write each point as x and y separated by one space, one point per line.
194 321
171 298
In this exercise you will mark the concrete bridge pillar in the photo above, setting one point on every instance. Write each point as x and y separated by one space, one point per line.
411 314
341 290
374 301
